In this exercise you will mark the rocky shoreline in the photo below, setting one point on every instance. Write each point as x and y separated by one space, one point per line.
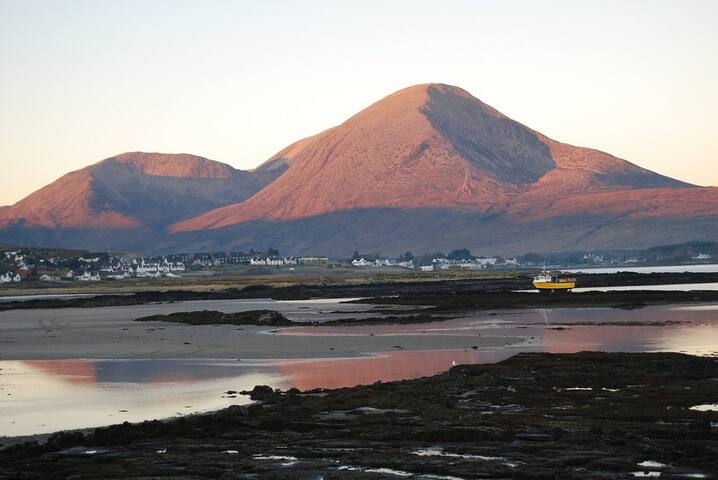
443 303
267 318
271 318
479 293
586 415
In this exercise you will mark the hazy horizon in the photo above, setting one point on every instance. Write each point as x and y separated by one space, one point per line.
237 81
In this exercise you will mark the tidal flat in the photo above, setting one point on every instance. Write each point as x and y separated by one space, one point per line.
186 353
492 290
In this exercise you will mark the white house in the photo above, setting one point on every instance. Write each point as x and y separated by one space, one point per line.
312 259
274 262
384 262
119 276
360 263
89 277
486 261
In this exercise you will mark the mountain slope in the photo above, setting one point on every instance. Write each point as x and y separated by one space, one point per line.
131 191
427 146
427 168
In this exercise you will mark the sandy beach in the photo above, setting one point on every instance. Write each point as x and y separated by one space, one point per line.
111 333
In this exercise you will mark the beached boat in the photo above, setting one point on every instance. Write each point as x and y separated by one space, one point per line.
553 282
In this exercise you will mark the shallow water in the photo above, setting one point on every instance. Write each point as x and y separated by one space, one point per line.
681 287
47 296
689 329
48 395
45 396
297 310
705 268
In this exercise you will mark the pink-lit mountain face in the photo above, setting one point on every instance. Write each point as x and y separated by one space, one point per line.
132 192
428 167
428 146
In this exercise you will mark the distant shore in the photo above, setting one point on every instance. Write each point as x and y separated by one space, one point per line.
105 326
482 286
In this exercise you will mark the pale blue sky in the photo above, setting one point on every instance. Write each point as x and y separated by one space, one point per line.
236 81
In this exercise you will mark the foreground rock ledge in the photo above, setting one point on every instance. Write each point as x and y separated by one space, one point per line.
586 415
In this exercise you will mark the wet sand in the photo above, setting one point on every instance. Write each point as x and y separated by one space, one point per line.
112 333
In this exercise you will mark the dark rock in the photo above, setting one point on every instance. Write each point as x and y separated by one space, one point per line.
259 392
211 317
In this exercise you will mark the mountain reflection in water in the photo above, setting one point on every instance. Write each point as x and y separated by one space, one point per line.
384 367
45 396
49 395
142 371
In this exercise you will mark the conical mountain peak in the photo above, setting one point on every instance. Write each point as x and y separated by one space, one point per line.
430 146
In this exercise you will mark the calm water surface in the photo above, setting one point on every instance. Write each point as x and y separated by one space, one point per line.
680 287
49 395
712 268
46 296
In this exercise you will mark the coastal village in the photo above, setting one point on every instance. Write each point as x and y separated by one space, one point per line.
18 265
22 265
439 263
29 264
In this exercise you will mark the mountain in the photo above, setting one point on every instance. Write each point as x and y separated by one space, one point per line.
427 168
432 167
124 198
426 146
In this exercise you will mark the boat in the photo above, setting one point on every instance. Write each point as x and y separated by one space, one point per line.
553 282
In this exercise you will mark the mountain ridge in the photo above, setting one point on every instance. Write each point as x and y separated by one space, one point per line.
473 157
134 189
429 167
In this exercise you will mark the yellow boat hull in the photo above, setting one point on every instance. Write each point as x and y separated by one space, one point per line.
554 285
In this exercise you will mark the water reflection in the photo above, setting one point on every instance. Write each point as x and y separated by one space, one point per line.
384 367
142 371
691 329
705 268
675 287
49 395
680 287
45 396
